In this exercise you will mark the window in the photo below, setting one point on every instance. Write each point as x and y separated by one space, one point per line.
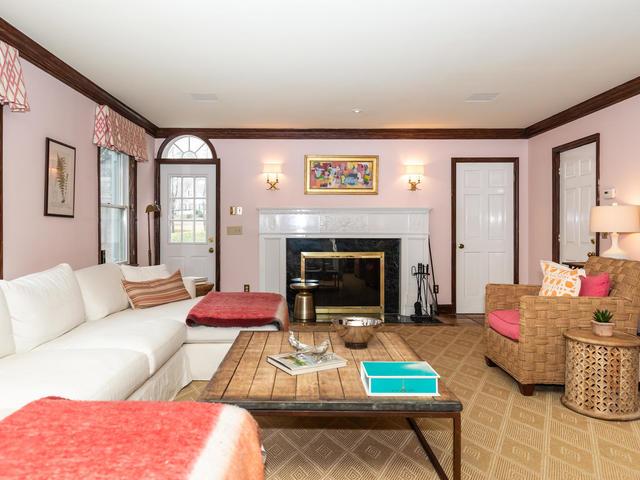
187 147
117 207
187 218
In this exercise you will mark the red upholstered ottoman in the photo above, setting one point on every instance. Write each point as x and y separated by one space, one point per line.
64 439
506 323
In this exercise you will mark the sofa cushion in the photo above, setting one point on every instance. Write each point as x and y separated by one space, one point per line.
43 306
152 293
506 323
157 339
560 280
7 345
102 291
75 374
142 274
595 285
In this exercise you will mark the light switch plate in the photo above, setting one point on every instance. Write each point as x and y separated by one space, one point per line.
234 230
235 210
609 193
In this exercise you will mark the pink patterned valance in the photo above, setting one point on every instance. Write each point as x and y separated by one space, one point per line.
115 132
12 89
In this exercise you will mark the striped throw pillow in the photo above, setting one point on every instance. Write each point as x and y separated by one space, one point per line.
152 293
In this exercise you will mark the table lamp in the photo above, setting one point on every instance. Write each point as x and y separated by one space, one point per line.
615 219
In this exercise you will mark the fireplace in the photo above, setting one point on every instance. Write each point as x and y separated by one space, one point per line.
349 282
401 233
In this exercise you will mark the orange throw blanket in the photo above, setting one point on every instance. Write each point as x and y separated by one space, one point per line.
240 309
64 439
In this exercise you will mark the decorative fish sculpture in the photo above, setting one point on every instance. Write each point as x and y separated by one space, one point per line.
304 348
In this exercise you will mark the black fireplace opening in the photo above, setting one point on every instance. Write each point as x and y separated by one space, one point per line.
352 272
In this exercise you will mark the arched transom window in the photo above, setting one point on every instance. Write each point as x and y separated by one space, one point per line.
187 147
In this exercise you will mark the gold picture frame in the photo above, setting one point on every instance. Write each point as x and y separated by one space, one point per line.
325 174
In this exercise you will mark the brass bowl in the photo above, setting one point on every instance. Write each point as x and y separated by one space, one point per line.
356 331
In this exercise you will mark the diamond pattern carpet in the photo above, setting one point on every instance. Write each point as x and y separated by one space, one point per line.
504 435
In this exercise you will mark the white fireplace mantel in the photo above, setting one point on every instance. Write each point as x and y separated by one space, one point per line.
410 225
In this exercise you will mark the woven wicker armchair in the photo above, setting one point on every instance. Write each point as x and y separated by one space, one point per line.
538 356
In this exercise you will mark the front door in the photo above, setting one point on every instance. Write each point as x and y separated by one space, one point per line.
187 219
577 195
484 230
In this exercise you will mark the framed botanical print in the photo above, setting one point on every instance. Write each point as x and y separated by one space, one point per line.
60 179
341 174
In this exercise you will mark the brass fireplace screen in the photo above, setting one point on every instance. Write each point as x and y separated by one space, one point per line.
350 282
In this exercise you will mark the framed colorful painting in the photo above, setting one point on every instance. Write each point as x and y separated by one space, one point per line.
59 180
341 174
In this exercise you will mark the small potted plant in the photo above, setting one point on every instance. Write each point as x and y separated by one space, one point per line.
602 324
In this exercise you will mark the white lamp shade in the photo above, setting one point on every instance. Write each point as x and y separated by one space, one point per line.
615 218
272 168
414 170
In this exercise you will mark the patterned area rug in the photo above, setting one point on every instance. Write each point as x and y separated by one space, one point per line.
504 435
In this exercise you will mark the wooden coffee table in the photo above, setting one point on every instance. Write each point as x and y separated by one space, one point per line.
246 379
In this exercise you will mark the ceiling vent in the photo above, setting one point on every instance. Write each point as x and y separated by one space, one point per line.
482 97
204 97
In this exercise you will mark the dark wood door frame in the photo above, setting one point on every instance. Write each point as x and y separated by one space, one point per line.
555 189
516 215
156 220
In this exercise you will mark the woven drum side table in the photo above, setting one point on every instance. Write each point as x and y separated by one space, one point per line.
601 375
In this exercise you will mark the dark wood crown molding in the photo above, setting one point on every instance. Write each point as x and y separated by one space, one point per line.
606 99
347 133
42 58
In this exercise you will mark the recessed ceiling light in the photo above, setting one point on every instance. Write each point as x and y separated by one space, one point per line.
482 97
204 97
356 110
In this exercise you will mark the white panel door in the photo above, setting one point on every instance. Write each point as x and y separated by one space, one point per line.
484 231
187 219
577 196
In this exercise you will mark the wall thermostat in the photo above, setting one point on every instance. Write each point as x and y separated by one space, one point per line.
609 193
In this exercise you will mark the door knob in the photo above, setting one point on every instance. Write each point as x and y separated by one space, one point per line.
591 254
461 246
210 249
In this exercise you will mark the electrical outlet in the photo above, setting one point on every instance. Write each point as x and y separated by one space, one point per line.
247 288
235 210
436 289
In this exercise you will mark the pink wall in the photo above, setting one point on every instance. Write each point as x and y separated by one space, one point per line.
619 167
32 241
243 185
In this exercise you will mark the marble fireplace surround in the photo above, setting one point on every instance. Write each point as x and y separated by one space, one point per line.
409 225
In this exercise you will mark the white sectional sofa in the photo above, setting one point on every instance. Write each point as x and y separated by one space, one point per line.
74 335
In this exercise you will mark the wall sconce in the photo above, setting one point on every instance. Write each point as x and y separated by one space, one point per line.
271 171
414 174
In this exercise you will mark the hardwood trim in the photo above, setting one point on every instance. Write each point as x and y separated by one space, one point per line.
555 189
156 218
101 258
516 213
42 58
603 100
133 211
1 193
346 133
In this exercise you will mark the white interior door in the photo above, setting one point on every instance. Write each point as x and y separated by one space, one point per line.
187 219
484 231
577 196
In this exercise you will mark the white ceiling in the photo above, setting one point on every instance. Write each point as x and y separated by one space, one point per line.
305 64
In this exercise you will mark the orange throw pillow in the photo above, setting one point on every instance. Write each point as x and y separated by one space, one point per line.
152 293
560 280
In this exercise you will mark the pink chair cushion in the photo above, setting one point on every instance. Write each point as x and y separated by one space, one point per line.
506 323
595 285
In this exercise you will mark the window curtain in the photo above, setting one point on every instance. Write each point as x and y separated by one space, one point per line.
12 89
115 132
